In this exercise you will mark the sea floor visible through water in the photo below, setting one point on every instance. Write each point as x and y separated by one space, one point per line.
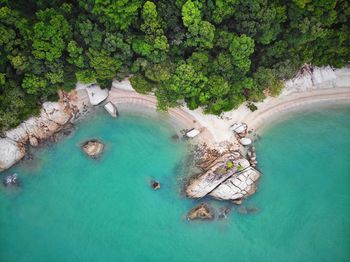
73 208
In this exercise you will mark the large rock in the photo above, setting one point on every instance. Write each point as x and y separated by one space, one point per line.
10 153
96 94
229 177
201 211
240 185
93 148
216 174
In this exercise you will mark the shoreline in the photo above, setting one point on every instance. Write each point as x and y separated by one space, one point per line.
215 131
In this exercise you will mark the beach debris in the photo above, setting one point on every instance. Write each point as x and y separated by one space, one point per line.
155 184
245 141
93 148
239 128
11 180
223 212
202 211
192 133
96 94
111 109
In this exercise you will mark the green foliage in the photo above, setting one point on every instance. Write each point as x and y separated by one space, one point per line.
229 164
191 15
33 84
50 35
266 79
215 54
140 84
113 13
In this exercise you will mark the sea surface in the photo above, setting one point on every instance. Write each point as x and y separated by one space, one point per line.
73 208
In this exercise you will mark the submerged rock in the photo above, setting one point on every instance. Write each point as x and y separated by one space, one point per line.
223 212
202 211
175 137
247 210
11 180
155 184
93 148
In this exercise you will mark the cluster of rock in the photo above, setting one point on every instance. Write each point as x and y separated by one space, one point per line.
54 117
309 78
204 211
227 176
251 154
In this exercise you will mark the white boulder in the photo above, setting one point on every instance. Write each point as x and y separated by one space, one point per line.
96 94
245 141
10 153
111 109
193 133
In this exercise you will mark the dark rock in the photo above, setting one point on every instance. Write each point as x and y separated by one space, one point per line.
175 137
155 184
11 180
202 211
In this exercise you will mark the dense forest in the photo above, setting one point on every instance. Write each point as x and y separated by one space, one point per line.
210 53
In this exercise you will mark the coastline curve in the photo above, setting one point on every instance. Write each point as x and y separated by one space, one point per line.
277 107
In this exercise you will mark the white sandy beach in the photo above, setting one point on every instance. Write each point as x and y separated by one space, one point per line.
216 129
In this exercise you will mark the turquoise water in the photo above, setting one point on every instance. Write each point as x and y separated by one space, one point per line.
72 208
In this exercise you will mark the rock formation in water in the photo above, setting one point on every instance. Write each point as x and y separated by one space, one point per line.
11 180
155 184
227 176
202 211
93 148
54 116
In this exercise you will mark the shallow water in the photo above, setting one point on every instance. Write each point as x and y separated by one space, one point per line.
72 208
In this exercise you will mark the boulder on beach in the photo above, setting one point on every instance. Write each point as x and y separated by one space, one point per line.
155 184
202 211
96 94
93 148
245 141
11 180
111 109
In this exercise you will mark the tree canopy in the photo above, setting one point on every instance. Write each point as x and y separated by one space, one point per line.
214 54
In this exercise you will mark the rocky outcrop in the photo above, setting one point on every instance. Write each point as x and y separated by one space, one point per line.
111 109
96 94
10 153
228 177
202 211
53 117
155 184
11 180
93 148
309 78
